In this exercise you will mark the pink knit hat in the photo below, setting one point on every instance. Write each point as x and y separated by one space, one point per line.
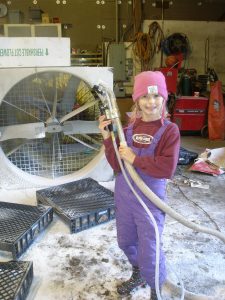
149 82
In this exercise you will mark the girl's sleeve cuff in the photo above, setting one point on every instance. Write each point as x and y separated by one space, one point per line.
107 142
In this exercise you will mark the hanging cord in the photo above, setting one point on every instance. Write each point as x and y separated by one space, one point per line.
142 50
193 202
146 45
137 15
156 34
134 21
206 55
128 32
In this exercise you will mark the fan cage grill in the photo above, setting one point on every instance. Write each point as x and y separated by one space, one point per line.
31 100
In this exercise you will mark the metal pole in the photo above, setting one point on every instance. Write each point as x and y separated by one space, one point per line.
161 60
117 21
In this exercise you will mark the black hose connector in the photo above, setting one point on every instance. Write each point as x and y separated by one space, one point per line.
102 109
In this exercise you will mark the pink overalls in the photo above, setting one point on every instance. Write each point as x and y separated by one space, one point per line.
135 231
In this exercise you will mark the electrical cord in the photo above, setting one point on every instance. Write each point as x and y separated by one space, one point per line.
146 45
199 207
194 203
142 49
156 34
206 55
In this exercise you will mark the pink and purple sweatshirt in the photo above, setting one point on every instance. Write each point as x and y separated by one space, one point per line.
163 163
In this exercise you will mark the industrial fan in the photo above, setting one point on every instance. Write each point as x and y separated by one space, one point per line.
48 126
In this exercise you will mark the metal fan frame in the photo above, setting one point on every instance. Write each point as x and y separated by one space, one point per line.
3 10
98 168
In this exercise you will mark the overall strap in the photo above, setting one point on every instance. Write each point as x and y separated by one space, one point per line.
158 135
129 134
156 138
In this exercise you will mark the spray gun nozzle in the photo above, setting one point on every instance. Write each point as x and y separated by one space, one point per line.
97 89
104 111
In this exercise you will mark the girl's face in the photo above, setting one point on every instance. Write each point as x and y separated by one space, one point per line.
151 107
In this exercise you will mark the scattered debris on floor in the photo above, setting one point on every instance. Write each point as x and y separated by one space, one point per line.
191 183
88 265
211 161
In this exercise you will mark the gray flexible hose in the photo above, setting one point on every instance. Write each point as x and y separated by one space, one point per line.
110 98
158 202
145 189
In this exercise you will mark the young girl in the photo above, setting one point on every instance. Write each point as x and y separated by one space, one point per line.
153 149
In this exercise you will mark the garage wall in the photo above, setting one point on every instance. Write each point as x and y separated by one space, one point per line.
84 17
197 33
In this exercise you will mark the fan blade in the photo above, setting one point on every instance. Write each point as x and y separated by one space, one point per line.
11 146
77 111
92 140
80 127
55 100
56 154
19 108
45 101
69 92
83 143
22 131
53 155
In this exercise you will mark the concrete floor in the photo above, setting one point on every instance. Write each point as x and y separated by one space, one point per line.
199 144
193 254
66 265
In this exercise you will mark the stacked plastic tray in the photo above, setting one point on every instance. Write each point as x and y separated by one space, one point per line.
20 224
15 280
82 204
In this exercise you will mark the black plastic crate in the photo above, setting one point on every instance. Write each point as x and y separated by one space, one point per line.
20 224
82 204
15 279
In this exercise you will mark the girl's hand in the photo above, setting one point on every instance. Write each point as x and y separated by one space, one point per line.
127 154
102 126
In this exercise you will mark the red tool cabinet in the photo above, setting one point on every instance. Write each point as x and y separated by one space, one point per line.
190 113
